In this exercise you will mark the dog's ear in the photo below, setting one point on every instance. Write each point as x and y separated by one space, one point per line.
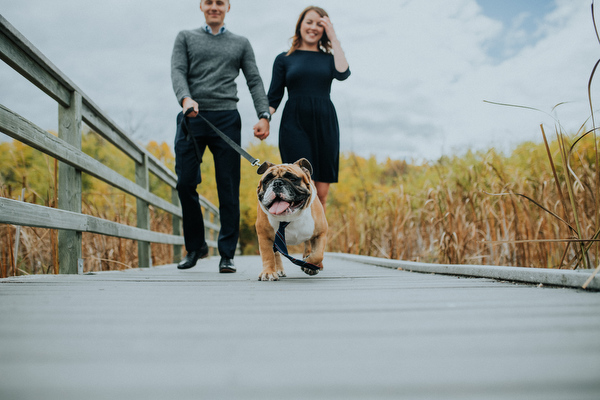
264 167
305 164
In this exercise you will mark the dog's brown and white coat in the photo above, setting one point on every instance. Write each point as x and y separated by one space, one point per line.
286 193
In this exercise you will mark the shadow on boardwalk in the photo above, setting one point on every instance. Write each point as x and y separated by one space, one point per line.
355 331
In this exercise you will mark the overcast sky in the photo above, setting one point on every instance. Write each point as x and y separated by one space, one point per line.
421 70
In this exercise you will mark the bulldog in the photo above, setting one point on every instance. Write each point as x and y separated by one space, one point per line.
286 193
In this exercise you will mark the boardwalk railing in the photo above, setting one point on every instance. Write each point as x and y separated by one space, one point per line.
74 108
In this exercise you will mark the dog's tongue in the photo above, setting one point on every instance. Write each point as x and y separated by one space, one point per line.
279 207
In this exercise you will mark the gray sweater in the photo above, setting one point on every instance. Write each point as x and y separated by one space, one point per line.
204 67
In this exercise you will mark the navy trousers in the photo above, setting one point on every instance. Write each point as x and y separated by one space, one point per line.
227 171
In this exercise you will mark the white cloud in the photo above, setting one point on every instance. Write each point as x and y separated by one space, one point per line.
420 70
439 91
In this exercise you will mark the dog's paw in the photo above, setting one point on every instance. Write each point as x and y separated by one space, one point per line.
268 276
309 271
281 273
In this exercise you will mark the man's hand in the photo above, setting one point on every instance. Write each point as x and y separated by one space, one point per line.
261 129
189 103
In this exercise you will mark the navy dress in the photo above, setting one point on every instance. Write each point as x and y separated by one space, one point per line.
309 125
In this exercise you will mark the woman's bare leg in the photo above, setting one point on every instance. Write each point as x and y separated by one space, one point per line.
322 192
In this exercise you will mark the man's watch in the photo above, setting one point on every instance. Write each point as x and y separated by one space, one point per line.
266 115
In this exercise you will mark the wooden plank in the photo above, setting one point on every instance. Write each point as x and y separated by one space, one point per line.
368 332
177 228
110 132
19 128
545 276
69 185
23 57
26 214
161 171
142 178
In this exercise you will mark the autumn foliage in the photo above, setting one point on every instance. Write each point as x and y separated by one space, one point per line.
477 208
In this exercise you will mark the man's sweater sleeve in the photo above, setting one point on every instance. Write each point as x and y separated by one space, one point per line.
179 68
254 81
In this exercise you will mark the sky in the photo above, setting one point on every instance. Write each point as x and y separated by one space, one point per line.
423 72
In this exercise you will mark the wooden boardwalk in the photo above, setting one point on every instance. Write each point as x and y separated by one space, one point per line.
355 331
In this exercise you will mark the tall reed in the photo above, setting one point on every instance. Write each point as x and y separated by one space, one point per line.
444 212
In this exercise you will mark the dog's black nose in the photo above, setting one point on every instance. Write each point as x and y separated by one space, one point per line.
277 183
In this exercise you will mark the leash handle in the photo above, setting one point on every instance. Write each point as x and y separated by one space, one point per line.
188 136
184 123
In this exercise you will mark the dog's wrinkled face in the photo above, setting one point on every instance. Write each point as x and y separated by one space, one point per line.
285 189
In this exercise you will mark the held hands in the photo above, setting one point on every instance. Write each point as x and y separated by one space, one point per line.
261 129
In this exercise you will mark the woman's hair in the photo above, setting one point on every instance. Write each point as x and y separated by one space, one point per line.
324 43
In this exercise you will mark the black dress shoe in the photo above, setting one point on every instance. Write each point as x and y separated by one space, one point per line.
226 265
192 257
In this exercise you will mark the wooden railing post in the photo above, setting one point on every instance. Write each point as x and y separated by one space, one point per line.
176 226
142 178
69 184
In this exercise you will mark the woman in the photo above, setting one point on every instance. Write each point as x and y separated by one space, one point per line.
309 126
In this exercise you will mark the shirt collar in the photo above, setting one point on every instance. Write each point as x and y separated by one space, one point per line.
208 29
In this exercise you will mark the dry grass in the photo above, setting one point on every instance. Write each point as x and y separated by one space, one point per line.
478 209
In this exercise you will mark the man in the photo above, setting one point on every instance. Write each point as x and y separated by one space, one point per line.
204 66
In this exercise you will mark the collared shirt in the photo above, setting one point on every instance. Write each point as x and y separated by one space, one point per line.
208 29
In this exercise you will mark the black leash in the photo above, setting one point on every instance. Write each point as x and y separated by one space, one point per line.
279 246
185 127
